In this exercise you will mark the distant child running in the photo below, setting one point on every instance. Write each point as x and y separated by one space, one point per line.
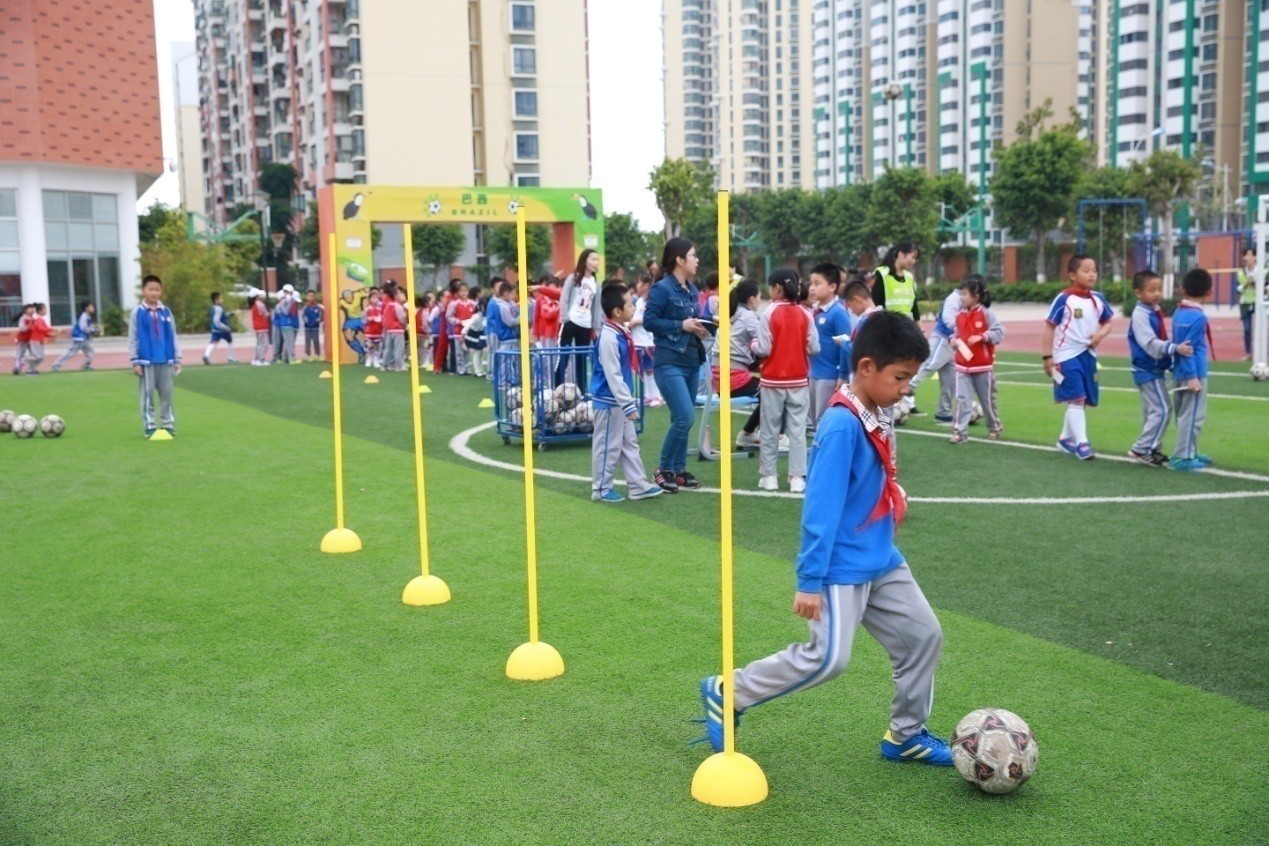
82 334
41 332
1078 321
1189 322
155 355
23 337
313 316
218 323
830 367
786 339
978 333
614 365
1151 353
260 324
849 571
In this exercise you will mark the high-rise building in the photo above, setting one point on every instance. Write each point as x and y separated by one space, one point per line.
79 142
461 92
188 137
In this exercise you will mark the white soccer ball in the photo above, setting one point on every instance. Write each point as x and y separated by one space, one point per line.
513 398
975 413
52 426
567 395
564 423
900 413
433 207
893 91
24 425
1259 373
546 403
994 750
516 418
6 420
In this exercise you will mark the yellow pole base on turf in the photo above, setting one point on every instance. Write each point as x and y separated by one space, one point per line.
341 540
485 403
424 389
160 435
325 374
729 780
371 380
425 590
534 661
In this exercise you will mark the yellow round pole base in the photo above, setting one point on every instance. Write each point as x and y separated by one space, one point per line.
425 590
534 661
341 540
729 780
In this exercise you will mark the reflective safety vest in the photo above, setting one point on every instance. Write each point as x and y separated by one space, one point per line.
900 292
1246 288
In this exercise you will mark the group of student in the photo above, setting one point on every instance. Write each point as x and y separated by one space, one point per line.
276 329
34 332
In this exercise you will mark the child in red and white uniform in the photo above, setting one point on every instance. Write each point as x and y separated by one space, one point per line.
40 334
394 320
423 327
460 310
24 336
787 338
374 329
260 322
546 312
977 334
1079 320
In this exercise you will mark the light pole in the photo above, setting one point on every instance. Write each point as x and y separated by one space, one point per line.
278 238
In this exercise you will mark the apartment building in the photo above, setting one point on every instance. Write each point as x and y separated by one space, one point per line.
461 92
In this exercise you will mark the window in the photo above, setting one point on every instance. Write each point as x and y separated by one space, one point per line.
526 104
522 18
526 146
81 233
524 61
10 265
528 180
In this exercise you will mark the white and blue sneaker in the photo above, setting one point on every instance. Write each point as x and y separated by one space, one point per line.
923 748
712 700
1068 445
647 493
607 496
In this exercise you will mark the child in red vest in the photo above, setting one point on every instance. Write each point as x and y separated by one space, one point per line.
786 339
977 334
460 310
24 336
259 325
374 329
40 333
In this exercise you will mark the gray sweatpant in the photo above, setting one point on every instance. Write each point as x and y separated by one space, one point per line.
288 343
85 346
34 355
614 442
157 378
1191 413
312 341
262 344
895 612
1156 412
969 386
783 409
393 350
940 362
821 393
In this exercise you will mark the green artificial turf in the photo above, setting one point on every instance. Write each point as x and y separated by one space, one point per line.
183 665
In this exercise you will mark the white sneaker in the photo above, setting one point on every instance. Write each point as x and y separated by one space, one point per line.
797 484
747 440
768 483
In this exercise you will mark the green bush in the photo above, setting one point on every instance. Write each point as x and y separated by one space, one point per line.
1130 302
1027 292
113 321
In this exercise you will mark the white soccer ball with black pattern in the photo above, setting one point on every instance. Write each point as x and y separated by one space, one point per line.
564 422
568 395
994 750
6 420
584 416
516 418
24 425
900 413
1260 372
546 404
52 426
975 413
513 399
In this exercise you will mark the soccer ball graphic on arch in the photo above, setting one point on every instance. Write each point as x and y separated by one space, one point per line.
994 750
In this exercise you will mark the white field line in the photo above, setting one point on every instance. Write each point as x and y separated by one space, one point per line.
460 446
1031 368
1129 390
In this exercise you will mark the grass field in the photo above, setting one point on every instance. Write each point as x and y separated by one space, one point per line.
183 666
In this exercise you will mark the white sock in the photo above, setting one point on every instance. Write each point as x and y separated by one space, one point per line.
210 349
1076 423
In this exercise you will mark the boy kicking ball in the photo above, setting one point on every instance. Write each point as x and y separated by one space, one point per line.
849 572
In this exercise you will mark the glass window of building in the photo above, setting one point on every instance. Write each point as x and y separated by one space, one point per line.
81 233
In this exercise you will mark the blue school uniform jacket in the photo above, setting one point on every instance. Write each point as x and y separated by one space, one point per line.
831 361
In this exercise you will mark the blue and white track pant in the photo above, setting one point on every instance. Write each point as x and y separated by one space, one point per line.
1156 412
895 612
1191 413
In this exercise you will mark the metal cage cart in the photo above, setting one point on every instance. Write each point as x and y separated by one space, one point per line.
560 397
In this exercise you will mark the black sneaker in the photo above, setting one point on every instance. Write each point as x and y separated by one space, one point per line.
915 412
665 481
686 480
1144 458
1158 459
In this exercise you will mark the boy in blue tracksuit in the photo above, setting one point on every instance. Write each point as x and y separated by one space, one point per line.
82 334
155 355
615 361
849 571
218 324
830 366
1189 324
502 326
1151 353
313 315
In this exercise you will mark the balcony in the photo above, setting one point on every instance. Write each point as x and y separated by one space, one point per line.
343 171
255 10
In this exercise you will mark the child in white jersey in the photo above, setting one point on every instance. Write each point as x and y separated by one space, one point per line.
1078 320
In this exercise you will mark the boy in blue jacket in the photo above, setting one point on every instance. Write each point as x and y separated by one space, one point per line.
155 355
615 361
849 572
1189 325
1151 353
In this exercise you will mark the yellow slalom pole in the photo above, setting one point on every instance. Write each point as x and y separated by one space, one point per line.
535 660
424 589
727 779
340 538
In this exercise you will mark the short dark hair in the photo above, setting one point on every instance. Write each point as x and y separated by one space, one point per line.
887 337
150 277
214 295
857 288
977 285
1141 277
613 297
85 304
1197 283
831 273
1076 260
505 287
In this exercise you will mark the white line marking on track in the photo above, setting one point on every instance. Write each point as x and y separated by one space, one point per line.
460 446
1127 390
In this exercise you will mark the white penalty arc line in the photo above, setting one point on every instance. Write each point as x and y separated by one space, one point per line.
460 445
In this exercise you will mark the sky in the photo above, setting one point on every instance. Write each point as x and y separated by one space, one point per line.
627 117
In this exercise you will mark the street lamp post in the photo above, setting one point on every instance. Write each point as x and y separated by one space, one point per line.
278 238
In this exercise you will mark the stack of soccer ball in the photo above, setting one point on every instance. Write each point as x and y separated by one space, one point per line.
561 411
24 425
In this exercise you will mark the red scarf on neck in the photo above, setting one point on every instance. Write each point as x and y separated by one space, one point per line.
632 354
893 499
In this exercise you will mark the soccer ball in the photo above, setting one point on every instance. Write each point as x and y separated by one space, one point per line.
6 420
1259 373
584 416
52 426
567 395
547 404
564 422
516 418
893 91
900 413
975 413
24 425
994 750
513 398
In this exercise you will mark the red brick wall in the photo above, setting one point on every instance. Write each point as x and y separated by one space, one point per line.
79 84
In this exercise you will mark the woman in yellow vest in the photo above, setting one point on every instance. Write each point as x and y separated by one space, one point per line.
1247 297
894 288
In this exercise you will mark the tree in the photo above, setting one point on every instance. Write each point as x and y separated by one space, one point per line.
1037 177
837 230
438 245
903 206
243 257
783 219
152 220
190 271
1108 230
500 242
955 197
626 246
680 187
1165 180
279 181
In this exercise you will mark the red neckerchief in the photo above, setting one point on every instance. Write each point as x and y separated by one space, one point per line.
1163 322
1211 343
632 354
893 499
1077 291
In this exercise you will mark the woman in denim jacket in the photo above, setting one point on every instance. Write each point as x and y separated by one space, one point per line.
671 317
